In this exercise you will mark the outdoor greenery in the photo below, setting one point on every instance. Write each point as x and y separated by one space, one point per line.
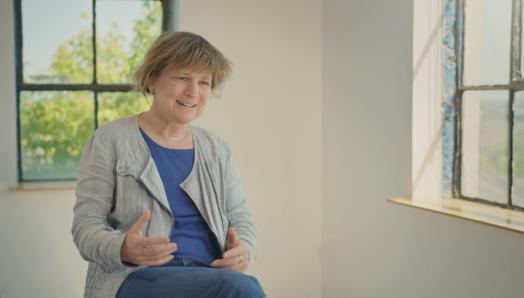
493 150
56 124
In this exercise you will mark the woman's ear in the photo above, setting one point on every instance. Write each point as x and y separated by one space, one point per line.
151 89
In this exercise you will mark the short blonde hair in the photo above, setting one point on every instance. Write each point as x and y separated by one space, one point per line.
182 49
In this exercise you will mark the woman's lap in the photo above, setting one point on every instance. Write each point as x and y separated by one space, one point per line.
189 281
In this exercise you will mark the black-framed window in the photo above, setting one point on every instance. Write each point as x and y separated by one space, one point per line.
75 62
488 102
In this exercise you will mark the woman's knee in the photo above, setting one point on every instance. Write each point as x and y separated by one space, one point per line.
242 285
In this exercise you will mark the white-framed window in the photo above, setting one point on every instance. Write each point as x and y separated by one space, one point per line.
486 106
75 62
468 101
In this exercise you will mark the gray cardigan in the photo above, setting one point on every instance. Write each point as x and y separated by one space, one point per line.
118 181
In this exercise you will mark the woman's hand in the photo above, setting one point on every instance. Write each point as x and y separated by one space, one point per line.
146 251
235 257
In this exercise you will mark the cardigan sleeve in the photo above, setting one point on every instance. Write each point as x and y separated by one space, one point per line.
95 238
238 215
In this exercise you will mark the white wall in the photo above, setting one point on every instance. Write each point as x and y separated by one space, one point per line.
274 112
372 248
7 95
269 113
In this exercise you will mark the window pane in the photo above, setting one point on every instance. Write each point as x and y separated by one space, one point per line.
487 42
54 127
485 145
125 30
54 52
117 105
518 151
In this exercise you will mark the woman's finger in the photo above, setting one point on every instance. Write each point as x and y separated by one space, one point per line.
224 263
232 238
149 241
148 253
157 262
236 263
142 257
236 251
159 250
230 262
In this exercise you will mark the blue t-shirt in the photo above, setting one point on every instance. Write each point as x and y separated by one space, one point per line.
190 232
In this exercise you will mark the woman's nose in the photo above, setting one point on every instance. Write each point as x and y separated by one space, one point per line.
191 89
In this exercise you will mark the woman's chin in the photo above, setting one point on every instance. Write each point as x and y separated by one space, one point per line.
184 119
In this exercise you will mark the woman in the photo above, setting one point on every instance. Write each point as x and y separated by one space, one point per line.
159 209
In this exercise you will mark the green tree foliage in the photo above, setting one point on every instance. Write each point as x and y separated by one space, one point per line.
72 62
145 30
112 64
55 125
117 105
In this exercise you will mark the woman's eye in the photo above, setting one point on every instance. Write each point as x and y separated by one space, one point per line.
182 78
205 83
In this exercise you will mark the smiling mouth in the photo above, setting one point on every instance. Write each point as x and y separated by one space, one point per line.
184 104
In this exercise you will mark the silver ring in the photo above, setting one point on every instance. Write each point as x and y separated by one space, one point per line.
239 259
145 253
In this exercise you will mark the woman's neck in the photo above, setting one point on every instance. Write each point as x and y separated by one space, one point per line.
168 134
163 127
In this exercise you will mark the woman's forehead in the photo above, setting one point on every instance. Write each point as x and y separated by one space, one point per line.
190 69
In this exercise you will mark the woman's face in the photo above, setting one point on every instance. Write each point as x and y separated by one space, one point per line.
180 94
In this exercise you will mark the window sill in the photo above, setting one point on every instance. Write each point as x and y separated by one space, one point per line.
44 185
490 215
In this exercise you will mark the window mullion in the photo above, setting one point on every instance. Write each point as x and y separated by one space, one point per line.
510 145
516 21
515 74
457 115
77 87
95 81
488 87
19 81
459 37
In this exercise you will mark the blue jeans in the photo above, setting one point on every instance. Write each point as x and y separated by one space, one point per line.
186 278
